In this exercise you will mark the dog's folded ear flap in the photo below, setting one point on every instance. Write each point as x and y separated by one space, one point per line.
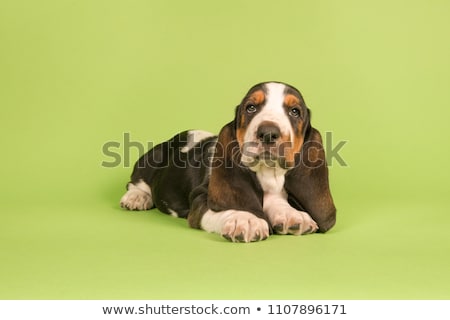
307 184
231 185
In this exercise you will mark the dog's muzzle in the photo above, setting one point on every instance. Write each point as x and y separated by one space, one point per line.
268 135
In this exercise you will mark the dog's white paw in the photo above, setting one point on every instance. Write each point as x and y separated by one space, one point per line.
236 225
291 221
136 198
245 227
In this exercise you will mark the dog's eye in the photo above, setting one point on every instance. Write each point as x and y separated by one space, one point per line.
250 108
294 112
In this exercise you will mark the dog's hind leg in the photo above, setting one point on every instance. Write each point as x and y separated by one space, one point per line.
139 190
137 197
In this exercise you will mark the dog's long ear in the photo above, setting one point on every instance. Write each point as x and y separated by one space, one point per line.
307 184
231 185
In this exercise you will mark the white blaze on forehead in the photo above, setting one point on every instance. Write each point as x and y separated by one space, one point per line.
272 110
275 95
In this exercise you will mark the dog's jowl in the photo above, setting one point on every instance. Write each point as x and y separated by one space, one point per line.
264 173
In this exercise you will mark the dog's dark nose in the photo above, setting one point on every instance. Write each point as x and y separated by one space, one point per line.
268 134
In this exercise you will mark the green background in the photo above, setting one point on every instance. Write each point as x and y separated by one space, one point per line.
75 75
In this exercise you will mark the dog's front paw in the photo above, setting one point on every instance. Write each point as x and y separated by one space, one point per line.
242 226
292 221
235 225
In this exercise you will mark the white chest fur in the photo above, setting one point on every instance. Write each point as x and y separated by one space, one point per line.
272 181
283 218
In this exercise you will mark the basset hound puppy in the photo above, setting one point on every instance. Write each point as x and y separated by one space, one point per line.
264 173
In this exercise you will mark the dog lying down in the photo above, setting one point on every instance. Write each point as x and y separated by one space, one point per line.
264 173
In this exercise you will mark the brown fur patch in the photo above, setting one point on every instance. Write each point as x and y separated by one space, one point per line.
296 145
257 97
240 133
314 155
222 159
231 187
290 100
308 183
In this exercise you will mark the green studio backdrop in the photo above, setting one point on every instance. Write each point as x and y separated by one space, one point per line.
82 80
